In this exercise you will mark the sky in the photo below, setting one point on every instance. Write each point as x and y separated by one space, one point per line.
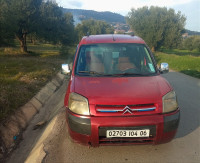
189 8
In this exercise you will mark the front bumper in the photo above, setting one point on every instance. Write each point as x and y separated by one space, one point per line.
92 130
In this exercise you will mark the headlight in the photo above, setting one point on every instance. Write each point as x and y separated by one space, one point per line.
78 104
169 102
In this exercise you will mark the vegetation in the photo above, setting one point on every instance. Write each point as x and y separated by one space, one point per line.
93 27
180 52
55 26
42 19
191 43
182 61
157 26
22 75
6 38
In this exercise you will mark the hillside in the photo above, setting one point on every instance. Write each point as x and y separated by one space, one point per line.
192 32
107 16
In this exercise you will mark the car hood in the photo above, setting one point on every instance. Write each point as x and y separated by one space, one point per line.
122 90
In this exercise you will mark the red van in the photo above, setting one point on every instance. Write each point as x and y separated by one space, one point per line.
116 95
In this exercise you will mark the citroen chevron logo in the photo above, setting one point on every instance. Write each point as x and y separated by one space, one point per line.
127 109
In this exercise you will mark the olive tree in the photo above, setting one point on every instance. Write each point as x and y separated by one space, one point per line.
22 17
93 27
157 26
36 18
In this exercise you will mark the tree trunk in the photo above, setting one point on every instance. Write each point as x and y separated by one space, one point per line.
31 39
33 42
22 40
153 49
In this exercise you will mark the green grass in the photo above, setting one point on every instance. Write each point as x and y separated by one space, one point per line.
186 64
181 52
23 75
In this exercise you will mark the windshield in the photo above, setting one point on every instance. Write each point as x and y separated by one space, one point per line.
114 59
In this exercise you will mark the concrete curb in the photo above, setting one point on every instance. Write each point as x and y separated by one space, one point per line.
11 130
37 154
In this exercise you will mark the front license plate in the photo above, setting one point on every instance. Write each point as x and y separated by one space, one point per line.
127 133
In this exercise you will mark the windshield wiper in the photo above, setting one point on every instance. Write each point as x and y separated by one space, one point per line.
130 74
90 72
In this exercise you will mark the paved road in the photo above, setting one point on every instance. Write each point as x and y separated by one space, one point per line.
184 148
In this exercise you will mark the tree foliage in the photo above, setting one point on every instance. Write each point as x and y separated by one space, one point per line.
56 26
6 37
191 43
157 26
93 27
21 18
37 18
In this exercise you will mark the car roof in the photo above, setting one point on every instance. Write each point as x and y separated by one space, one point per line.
111 38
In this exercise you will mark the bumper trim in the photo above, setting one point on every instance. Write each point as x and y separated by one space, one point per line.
171 122
79 125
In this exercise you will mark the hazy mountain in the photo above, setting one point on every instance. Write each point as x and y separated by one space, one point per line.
107 16
192 32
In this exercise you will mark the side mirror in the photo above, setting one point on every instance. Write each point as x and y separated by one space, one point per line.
164 68
65 69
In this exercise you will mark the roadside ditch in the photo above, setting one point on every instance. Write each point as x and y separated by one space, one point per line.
12 129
